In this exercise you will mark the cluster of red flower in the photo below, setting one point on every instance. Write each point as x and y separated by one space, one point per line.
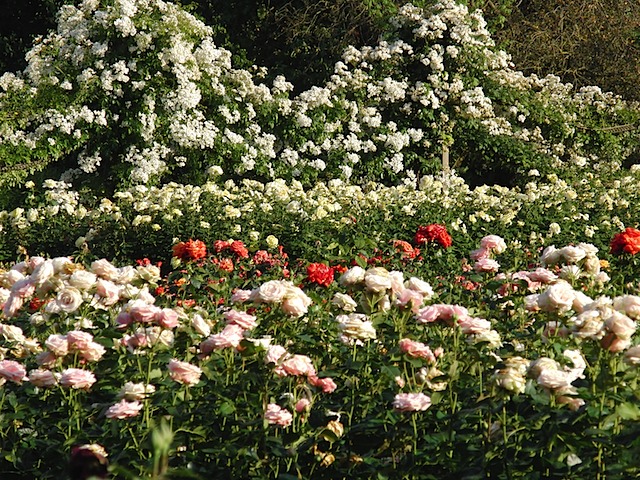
190 250
434 233
626 242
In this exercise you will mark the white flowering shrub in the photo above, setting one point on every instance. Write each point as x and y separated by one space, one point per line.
137 92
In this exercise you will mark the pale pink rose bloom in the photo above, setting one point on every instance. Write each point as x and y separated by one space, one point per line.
486 265
272 291
303 405
93 352
126 275
479 254
620 325
494 243
42 273
629 305
34 262
78 340
299 365
411 402
124 319
420 286
444 312
408 296
326 384
542 275
632 356
531 302
277 415
12 306
554 379
131 391
108 292
377 280
416 349
24 288
473 325
46 359
124 409
240 296
242 319
105 269
77 378
143 312
581 301
397 281
13 371
615 344
275 354
135 342
550 256
230 337
42 378
11 277
352 276
558 297
167 318
68 300
57 344
184 372
83 280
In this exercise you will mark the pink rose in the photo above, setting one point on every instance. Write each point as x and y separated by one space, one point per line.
494 243
302 405
124 409
542 275
240 296
473 325
57 344
78 340
411 402
299 365
167 318
184 372
105 269
12 305
326 384
12 371
486 265
42 378
108 292
242 319
68 300
410 297
143 312
24 288
479 254
229 337
620 325
277 415
93 352
275 353
416 349
77 378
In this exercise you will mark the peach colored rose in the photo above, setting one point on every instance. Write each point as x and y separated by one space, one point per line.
105 269
184 372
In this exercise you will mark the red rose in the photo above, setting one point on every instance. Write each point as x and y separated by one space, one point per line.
626 242
239 249
320 273
191 250
433 233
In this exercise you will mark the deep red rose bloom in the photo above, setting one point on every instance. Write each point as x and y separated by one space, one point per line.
626 242
191 250
433 233
320 273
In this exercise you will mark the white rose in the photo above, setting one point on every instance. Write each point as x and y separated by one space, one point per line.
105 269
272 291
68 299
60 264
558 297
628 304
82 279
377 280
43 272
344 302
554 379
572 254
352 276
550 256
420 286
200 325
620 325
